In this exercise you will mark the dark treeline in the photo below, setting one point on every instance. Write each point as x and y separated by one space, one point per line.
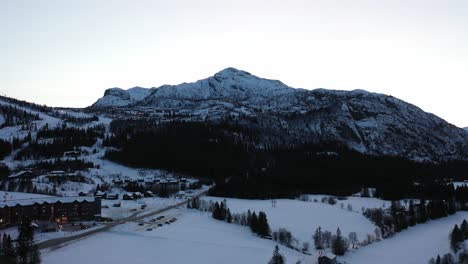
14 116
5 148
457 237
23 250
242 165
32 106
61 165
75 119
4 170
400 217
52 143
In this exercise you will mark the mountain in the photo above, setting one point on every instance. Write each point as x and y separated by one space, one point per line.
367 122
120 97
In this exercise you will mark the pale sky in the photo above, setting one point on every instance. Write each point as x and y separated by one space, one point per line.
66 53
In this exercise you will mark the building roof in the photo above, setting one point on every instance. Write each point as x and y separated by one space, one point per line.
19 174
31 201
328 255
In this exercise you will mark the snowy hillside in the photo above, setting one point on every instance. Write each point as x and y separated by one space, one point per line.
367 122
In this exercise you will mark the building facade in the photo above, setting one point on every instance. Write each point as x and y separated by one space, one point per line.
54 209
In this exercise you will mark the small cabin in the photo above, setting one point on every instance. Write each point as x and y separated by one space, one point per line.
112 196
137 195
83 194
127 197
100 195
72 154
327 258
22 175
149 194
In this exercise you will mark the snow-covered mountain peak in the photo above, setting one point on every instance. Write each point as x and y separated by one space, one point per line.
231 73
115 97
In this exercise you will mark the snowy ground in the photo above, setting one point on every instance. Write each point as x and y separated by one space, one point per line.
414 246
40 237
19 195
357 203
302 218
129 207
193 238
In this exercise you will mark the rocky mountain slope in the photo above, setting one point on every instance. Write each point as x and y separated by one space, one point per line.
367 122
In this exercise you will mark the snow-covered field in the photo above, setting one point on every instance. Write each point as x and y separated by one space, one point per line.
414 246
302 218
194 238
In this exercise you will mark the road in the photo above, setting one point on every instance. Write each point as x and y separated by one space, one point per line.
58 242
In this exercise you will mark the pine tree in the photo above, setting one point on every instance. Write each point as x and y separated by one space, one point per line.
422 211
26 251
216 211
228 216
8 248
263 227
318 238
456 237
222 211
254 223
464 229
338 244
451 207
411 214
277 258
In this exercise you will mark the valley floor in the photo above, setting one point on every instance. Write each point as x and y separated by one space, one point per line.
194 238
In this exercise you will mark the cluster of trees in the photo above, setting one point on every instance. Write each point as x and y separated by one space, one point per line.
77 120
338 244
277 258
286 238
32 106
7 249
459 258
400 217
256 169
258 223
5 148
4 171
15 116
23 250
222 212
62 165
52 143
26 186
458 235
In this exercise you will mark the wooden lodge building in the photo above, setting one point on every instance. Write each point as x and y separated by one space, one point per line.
53 209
